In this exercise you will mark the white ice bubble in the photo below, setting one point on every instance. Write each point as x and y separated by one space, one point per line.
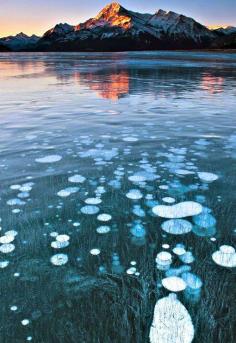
131 271
180 210
59 259
163 259
179 250
130 139
63 193
93 201
103 229
77 178
7 239
177 226
168 200
134 194
90 209
62 238
104 217
174 284
7 248
184 172
16 201
4 264
171 322
59 245
225 256
49 159
25 322
137 178
207 177
95 251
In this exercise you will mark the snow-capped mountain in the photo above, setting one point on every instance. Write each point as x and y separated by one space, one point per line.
19 41
115 28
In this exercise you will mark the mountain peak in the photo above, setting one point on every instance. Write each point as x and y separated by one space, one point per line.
110 10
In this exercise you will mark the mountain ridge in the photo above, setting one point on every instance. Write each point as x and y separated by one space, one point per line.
115 28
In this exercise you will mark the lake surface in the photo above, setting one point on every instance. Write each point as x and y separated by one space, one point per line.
91 145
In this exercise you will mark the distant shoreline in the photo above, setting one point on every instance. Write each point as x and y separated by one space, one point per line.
231 51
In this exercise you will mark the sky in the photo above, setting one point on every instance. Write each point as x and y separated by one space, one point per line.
37 16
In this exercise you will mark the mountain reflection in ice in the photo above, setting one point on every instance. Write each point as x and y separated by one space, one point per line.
117 187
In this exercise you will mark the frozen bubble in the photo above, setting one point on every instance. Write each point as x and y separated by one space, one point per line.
95 251
177 226
137 178
49 159
25 322
192 280
63 193
59 245
138 230
225 256
138 211
163 258
7 248
164 187
168 200
59 259
204 220
204 232
23 195
174 284
16 210
165 246
131 271
16 201
103 229
7 239
184 172
62 238
180 210
177 271
187 257
89 209
104 217
53 234
26 188
130 139
11 233
93 201
4 264
15 187
134 194
207 177
179 250
76 178
171 322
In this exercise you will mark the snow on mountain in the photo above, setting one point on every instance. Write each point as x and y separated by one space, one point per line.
19 41
59 30
115 28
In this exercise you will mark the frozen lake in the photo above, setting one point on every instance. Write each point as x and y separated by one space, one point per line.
117 188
